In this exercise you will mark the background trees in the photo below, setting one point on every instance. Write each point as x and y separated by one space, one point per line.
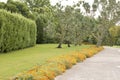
109 16
68 24
43 13
115 35
17 7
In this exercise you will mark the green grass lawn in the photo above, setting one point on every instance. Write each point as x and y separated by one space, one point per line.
15 62
116 46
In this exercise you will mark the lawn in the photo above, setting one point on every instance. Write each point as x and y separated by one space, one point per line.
116 46
15 62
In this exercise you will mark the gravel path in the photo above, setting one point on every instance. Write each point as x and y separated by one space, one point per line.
103 66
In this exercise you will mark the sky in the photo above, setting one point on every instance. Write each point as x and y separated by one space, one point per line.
64 2
3 0
69 2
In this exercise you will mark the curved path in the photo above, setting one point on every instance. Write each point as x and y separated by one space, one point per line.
103 66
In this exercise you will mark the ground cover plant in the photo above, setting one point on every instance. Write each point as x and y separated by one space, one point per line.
15 62
57 65
116 46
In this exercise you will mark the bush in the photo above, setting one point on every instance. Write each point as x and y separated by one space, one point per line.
16 32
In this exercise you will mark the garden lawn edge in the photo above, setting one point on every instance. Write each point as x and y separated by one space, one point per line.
57 65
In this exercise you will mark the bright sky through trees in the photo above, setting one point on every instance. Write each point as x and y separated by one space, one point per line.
64 2
69 2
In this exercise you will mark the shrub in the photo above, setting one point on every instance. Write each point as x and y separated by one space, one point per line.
16 32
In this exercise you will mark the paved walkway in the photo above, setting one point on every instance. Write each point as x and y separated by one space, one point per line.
103 66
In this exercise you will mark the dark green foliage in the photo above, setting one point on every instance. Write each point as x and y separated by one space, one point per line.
17 7
11 7
118 41
40 22
2 5
16 32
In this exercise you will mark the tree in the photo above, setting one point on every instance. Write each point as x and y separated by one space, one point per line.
65 26
115 35
43 12
60 30
40 22
77 27
109 16
86 6
17 7
2 5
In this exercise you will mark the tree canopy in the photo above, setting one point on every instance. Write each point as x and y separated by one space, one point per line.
68 24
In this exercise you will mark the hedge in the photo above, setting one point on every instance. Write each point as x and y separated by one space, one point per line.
16 31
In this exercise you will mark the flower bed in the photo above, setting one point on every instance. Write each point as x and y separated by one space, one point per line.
57 65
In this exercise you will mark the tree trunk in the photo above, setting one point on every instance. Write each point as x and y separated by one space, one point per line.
75 44
111 43
68 43
80 44
99 43
60 45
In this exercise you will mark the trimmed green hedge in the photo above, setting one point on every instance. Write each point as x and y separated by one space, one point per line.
16 31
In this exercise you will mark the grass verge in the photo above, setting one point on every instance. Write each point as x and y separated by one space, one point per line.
57 65
15 62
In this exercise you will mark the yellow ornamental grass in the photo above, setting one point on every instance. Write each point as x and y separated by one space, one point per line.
23 76
41 78
50 74
79 56
100 48
57 65
64 60
91 51
62 67
53 67
70 59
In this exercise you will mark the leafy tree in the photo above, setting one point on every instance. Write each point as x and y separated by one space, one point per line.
60 29
43 12
40 24
77 27
115 35
19 7
64 29
109 16
73 27
86 6
2 5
